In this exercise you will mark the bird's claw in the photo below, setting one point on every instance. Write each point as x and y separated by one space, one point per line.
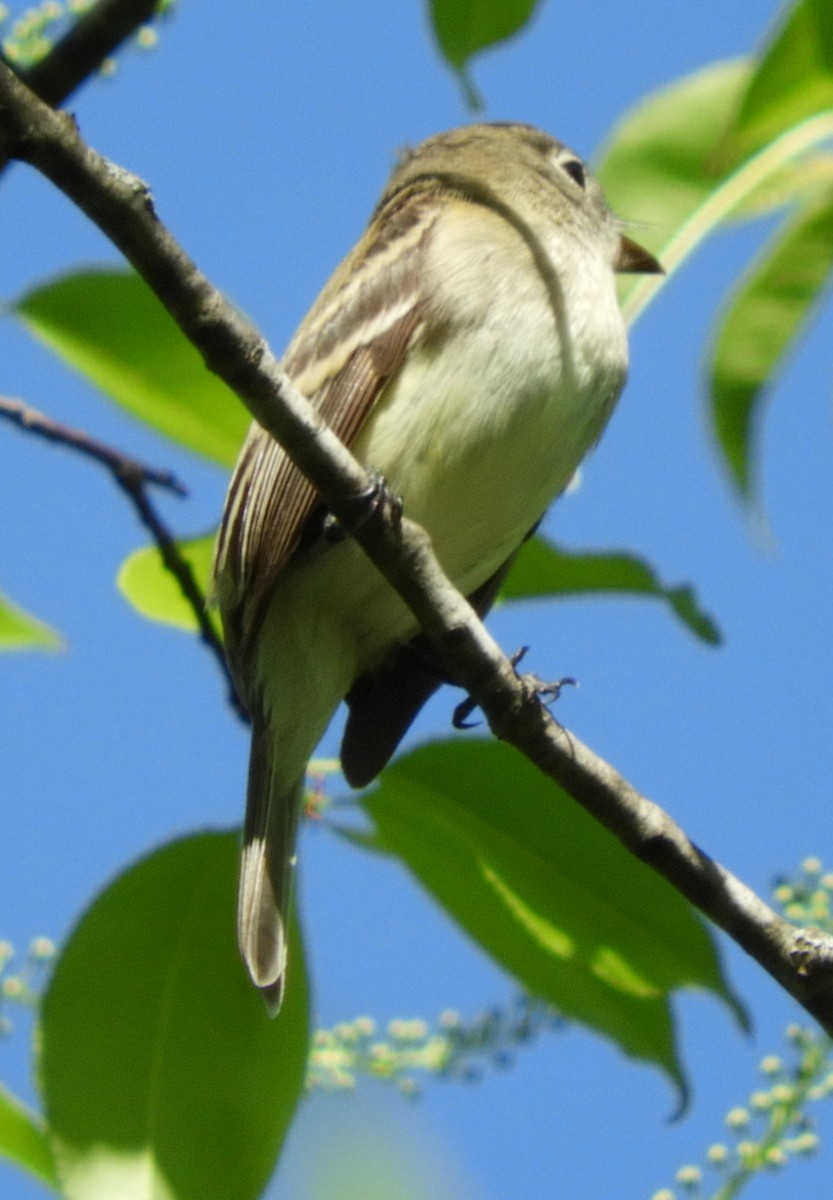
378 496
546 691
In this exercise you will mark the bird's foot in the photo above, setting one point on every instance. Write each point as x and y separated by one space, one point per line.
548 691
377 497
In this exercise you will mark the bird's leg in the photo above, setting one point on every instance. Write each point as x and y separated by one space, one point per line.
548 692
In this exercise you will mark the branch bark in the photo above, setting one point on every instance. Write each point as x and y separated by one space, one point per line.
120 204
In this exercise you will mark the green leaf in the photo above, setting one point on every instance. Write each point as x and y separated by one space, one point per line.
672 165
23 1139
162 1075
767 312
109 326
793 81
465 27
19 631
543 569
548 892
655 168
148 585
799 182
665 170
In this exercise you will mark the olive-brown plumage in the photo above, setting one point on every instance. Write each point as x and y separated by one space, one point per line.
470 348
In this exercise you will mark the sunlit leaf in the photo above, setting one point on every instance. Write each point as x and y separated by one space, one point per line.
768 310
801 182
543 569
671 165
109 326
547 891
20 631
793 80
162 1075
145 581
655 167
665 170
23 1139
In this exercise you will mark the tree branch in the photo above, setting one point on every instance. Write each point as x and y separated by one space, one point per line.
94 37
28 418
800 960
133 477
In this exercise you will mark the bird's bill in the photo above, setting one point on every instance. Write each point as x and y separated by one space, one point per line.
634 259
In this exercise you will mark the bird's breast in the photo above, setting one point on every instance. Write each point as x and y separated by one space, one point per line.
511 385
480 429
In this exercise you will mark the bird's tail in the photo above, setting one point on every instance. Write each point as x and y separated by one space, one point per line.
273 810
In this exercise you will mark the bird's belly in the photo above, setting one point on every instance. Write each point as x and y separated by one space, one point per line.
477 459
477 466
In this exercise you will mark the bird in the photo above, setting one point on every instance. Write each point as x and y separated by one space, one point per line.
470 349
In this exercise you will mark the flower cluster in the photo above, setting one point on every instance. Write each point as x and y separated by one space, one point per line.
806 900
774 1125
31 36
22 986
453 1049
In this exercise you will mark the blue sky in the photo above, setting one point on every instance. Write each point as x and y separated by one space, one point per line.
266 132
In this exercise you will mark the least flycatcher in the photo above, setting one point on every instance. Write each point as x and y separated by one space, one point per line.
471 349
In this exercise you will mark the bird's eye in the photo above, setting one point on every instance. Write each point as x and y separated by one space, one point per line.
575 169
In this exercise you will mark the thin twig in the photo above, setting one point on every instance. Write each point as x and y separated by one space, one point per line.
133 477
800 960
28 418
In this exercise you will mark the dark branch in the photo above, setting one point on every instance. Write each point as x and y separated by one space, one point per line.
800 960
132 477
28 418
94 38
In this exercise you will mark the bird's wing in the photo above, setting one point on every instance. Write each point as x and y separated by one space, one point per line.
351 343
